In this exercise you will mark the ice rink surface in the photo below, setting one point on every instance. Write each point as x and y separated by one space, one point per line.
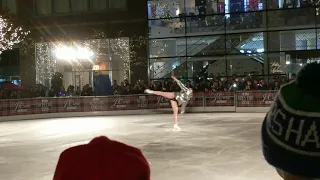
218 146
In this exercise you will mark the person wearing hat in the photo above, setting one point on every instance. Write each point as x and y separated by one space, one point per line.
290 130
102 159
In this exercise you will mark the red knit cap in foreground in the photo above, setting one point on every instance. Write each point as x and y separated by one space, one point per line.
102 159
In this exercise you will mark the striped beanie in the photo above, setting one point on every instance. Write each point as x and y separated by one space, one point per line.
102 159
290 130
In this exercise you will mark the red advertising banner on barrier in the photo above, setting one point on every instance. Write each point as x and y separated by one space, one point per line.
196 100
143 102
219 99
134 102
95 104
4 106
122 103
41 106
70 104
255 99
20 107
157 102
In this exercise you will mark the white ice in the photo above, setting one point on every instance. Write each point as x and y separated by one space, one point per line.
218 146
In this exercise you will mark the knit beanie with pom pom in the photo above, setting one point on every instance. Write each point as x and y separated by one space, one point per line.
290 131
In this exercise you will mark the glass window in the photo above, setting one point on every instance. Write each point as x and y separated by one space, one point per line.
164 28
203 25
43 7
292 40
165 9
205 45
278 62
79 5
279 4
246 43
192 7
291 18
242 65
61 6
253 5
10 5
167 47
253 44
216 67
318 39
98 5
163 67
242 22
275 4
117 4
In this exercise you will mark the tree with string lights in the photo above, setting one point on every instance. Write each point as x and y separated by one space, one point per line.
11 31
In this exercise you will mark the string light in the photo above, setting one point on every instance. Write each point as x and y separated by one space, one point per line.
11 33
45 63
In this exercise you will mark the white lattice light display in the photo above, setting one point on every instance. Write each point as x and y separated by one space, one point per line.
81 55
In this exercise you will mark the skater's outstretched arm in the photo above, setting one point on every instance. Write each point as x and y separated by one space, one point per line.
180 84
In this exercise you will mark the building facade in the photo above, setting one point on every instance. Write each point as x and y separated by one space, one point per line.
193 38
56 23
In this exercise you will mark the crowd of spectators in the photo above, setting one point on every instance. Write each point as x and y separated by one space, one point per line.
214 83
211 84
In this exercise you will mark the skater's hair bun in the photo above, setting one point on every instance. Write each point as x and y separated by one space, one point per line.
308 79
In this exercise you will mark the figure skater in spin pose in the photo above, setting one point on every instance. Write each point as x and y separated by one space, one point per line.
176 99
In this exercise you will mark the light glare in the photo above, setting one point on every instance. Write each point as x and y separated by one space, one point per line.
68 53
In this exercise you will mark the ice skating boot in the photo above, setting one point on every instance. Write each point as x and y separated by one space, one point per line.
176 127
148 91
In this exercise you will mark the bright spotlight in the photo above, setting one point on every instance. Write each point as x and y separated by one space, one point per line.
65 53
84 53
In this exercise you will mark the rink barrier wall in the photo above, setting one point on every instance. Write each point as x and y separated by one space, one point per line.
239 101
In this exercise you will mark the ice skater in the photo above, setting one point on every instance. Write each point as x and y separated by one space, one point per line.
176 99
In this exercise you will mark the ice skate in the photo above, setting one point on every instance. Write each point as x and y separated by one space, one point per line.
148 91
176 127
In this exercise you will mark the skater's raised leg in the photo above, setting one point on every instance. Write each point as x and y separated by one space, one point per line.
169 95
175 109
